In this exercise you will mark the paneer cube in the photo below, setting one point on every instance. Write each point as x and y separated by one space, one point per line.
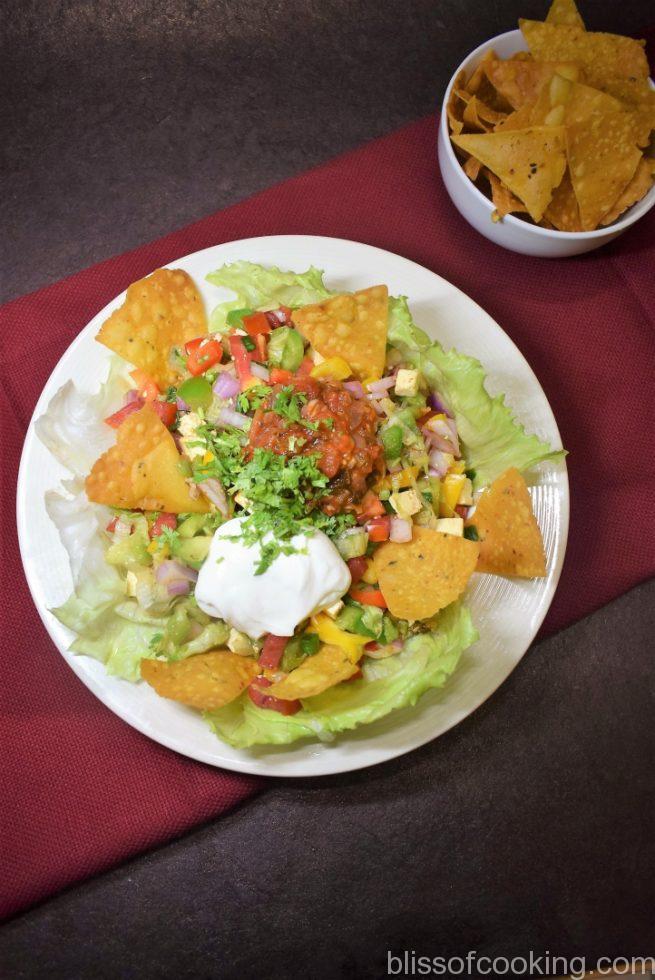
406 502
450 525
406 382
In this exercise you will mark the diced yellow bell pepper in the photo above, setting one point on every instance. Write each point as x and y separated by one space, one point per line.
405 478
329 632
451 488
159 548
370 575
208 457
335 368
457 467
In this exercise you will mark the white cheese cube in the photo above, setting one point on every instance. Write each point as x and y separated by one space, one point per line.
406 382
405 503
334 610
189 422
450 525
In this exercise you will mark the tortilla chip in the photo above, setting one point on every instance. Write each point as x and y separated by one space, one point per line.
503 199
519 119
352 326
472 168
481 117
521 81
509 536
640 184
205 681
530 162
454 106
563 212
601 56
421 577
316 674
601 151
565 12
141 472
635 94
478 76
162 311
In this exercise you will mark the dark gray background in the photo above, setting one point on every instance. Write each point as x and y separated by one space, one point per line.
528 827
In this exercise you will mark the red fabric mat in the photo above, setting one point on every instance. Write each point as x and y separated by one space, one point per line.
83 790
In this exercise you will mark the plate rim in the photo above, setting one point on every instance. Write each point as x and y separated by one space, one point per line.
254 765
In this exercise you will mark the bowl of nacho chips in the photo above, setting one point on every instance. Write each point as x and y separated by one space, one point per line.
546 136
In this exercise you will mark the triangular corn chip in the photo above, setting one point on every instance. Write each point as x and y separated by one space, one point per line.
142 471
563 212
565 12
503 199
162 311
425 575
509 536
531 162
316 674
521 81
640 184
601 56
205 681
352 326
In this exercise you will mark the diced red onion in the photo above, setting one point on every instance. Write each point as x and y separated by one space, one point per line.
436 402
382 386
122 529
177 578
401 530
213 490
440 434
355 388
376 404
227 416
226 385
277 318
453 430
131 396
397 644
436 442
259 371
182 405
438 464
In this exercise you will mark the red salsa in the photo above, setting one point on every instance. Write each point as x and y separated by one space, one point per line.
344 438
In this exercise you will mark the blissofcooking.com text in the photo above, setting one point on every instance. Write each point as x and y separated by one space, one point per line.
410 963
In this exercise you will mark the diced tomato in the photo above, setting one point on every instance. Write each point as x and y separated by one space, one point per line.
372 646
369 506
262 700
204 356
148 389
166 411
305 368
256 323
119 417
357 568
272 651
280 377
379 528
355 677
162 521
111 527
262 347
193 345
241 357
280 317
462 510
368 597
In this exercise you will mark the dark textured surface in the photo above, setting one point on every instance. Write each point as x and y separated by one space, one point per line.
529 826
124 119
522 829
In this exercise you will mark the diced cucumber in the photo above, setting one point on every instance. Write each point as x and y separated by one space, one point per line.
392 440
191 526
285 348
352 543
193 551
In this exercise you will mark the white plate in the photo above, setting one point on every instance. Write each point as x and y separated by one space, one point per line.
507 613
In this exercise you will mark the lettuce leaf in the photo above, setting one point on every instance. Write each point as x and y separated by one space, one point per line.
426 661
264 287
492 439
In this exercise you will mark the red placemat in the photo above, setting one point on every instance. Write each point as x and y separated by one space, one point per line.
82 789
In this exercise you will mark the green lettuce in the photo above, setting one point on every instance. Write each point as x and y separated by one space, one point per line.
492 439
426 661
264 287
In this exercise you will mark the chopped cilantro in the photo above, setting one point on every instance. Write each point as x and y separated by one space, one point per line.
252 398
248 342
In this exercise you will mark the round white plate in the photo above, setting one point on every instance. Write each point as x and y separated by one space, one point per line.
507 613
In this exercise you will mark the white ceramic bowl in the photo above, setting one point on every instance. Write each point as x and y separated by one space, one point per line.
512 232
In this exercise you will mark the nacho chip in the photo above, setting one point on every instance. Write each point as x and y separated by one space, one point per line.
352 326
205 681
601 56
472 168
478 75
316 674
521 81
635 94
421 577
530 162
479 116
565 12
509 536
141 472
640 184
503 199
162 311
563 212
454 106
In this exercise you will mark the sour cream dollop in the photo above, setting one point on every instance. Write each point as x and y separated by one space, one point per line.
292 588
